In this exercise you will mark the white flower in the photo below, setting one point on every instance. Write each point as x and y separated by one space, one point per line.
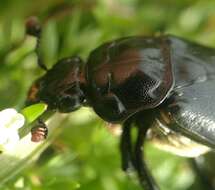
10 122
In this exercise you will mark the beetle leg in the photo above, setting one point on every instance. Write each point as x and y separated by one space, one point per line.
145 178
126 146
33 28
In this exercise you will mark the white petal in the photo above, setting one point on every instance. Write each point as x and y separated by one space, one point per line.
11 119
10 139
10 122
17 121
6 115
3 135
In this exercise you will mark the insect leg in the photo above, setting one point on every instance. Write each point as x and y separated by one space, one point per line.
145 178
33 28
126 146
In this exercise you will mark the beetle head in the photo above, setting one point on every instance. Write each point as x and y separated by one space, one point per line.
60 87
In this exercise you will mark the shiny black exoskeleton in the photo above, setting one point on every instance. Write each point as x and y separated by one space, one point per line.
163 85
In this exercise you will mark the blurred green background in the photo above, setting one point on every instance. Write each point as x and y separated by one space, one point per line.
85 155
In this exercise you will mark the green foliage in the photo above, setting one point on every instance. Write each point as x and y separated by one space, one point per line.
32 112
85 155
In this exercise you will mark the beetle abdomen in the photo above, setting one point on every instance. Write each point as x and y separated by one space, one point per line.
169 140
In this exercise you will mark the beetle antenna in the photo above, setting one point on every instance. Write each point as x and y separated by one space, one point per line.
33 28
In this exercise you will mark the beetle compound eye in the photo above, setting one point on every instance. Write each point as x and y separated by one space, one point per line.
69 103
72 98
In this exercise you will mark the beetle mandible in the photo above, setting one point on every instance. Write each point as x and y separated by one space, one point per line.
162 85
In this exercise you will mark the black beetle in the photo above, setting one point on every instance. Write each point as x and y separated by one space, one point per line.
162 85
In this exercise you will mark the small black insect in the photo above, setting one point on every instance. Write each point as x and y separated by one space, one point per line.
164 86
39 132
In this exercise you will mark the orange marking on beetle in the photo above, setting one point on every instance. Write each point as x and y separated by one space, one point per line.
166 117
33 92
121 67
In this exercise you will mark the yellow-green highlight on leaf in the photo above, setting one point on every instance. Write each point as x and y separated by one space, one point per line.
32 112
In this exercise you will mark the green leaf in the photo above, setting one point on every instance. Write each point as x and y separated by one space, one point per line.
34 111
